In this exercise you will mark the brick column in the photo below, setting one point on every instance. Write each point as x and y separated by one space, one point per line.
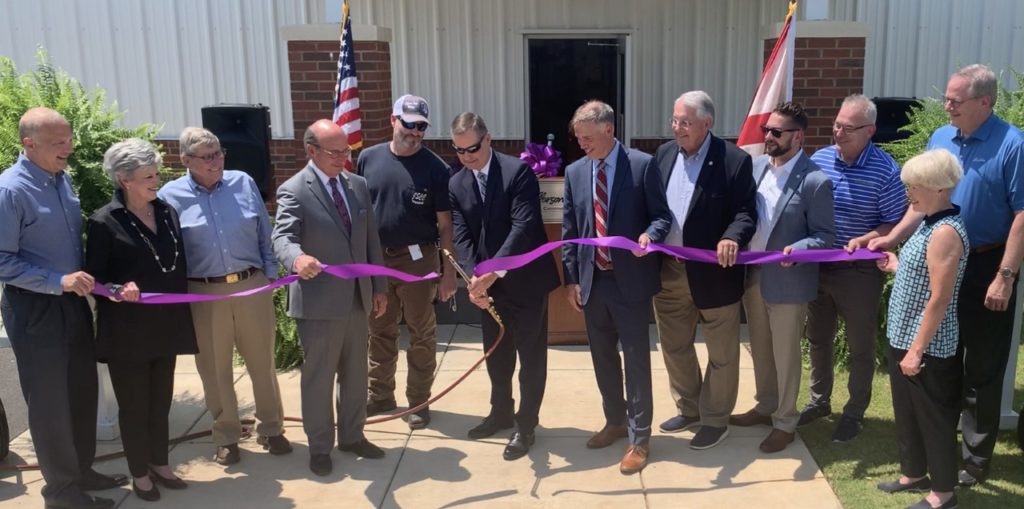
829 66
313 66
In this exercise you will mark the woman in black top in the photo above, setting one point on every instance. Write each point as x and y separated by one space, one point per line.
134 245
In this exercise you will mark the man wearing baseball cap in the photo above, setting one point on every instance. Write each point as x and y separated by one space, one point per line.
409 188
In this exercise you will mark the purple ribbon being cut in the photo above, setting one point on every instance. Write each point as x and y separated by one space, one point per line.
356 270
685 253
347 271
542 159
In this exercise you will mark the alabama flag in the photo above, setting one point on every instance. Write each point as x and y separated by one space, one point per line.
775 86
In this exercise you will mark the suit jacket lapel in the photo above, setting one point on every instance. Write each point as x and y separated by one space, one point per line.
623 173
792 184
317 188
715 149
355 208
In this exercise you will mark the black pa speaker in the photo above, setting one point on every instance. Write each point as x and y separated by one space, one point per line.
244 131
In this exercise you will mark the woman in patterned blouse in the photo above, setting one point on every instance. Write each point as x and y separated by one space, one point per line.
924 370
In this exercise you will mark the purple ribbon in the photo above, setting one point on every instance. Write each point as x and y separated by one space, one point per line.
346 271
542 159
685 253
357 270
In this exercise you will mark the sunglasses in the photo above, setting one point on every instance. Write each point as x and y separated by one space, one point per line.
776 132
472 149
419 126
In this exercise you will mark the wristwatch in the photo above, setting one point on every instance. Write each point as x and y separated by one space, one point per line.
1007 273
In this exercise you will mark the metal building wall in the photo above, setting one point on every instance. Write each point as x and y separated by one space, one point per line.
469 54
164 60
914 45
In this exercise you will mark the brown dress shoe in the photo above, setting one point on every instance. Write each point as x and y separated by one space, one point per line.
751 418
635 459
777 440
607 436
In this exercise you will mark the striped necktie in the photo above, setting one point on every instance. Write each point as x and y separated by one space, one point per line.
481 177
602 257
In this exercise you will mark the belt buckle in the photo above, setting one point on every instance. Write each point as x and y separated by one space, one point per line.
231 278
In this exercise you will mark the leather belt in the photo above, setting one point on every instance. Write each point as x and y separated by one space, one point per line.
227 278
987 247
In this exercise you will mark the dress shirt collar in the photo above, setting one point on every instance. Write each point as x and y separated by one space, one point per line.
785 169
702 152
37 174
324 179
609 160
982 132
861 160
487 166
198 188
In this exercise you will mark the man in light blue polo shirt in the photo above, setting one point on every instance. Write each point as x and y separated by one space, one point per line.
226 232
869 201
991 200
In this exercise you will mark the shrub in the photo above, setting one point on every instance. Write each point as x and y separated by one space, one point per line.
94 122
287 350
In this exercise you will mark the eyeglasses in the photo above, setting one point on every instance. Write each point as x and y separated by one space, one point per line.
211 157
777 131
954 103
472 149
685 124
419 126
334 154
848 128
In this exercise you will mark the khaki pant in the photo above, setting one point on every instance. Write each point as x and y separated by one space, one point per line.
248 324
775 332
713 397
414 302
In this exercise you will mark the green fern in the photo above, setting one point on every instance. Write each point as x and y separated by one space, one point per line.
96 124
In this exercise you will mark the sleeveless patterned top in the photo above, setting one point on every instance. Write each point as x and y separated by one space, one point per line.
911 290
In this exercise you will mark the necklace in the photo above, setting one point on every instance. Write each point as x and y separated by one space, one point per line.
152 249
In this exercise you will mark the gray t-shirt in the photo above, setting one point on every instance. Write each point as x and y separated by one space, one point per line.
407 193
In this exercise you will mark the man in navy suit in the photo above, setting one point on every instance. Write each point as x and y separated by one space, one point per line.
711 193
615 191
496 212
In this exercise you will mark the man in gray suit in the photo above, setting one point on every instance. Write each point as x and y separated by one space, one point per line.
324 217
794 211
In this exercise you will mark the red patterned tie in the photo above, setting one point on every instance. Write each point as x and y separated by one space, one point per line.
602 258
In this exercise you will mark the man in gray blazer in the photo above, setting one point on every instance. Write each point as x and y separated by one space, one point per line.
324 217
794 211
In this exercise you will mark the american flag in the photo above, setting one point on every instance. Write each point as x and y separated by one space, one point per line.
346 91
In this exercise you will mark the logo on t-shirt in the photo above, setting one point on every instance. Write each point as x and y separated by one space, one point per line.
419 197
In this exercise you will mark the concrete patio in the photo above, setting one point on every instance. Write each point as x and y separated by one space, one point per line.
440 467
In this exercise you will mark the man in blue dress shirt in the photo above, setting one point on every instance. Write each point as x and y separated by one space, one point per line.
46 316
226 233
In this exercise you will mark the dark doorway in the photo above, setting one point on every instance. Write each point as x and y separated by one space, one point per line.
565 72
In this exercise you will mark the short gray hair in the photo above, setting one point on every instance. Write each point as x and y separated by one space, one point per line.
125 157
469 121
935 169
981 81
870 110
593 111
192 137
700 101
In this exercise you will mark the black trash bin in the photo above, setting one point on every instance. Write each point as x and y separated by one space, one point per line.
892 115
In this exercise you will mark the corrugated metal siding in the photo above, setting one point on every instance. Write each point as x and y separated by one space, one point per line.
914 45
465 54
162 61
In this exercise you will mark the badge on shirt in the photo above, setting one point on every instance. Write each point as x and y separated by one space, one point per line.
415 252
419 197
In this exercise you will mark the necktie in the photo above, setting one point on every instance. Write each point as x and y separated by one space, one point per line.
340 204
602 257
481 177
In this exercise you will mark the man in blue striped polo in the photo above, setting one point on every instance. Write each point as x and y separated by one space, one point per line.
869 200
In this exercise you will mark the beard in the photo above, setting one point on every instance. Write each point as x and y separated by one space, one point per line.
776 149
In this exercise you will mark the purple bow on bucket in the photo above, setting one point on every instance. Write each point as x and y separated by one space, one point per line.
545 161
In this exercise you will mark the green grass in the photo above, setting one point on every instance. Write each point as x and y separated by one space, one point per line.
853 469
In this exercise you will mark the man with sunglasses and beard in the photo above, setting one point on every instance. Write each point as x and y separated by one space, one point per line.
408 185
496 212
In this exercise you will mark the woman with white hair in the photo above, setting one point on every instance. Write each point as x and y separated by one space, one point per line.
925 372
134 245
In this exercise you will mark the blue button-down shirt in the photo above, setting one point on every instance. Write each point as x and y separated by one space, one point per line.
609 171
992 188
226 230
40 228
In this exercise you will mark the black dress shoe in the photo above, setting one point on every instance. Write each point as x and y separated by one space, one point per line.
320 464
490 425
86 502
171 484
275 445
150 495
518 445
921 485
92 480
969 476
363 449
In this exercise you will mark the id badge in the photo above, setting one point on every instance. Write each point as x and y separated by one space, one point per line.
415 252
